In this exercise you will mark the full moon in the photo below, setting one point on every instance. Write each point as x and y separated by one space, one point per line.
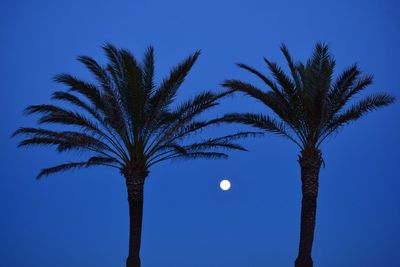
225 185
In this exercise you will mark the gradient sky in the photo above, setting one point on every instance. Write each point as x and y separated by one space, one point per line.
81 218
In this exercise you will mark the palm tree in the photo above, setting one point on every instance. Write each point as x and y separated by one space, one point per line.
124 121
309 106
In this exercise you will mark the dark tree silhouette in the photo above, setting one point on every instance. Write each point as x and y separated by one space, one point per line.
309 107
123 120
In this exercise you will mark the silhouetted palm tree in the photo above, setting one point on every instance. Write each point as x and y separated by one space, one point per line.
309 107
124 121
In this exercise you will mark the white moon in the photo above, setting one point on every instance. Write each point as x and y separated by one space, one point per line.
225 185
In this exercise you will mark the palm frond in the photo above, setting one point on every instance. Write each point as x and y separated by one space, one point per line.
65 140
131 91
223 142
168 88
93 161
88 90
34 141
98 71
271 84
356 111
70 98
214 144
364 106
204 155
283 80
344 81
239 135
148 71
28 131
340 99
278 104
54 114
292 66
190 109
260 121
339 90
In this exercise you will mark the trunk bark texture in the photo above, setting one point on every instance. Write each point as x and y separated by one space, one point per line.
135 178
310 162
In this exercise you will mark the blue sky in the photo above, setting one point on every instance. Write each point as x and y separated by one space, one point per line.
81 218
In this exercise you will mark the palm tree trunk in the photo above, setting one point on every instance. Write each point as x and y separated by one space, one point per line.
135 185
310 162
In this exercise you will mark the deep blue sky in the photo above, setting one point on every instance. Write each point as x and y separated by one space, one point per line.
81 218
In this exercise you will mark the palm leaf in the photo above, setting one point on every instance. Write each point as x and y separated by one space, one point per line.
93 161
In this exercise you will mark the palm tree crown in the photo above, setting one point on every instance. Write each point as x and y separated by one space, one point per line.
309 103
125 120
